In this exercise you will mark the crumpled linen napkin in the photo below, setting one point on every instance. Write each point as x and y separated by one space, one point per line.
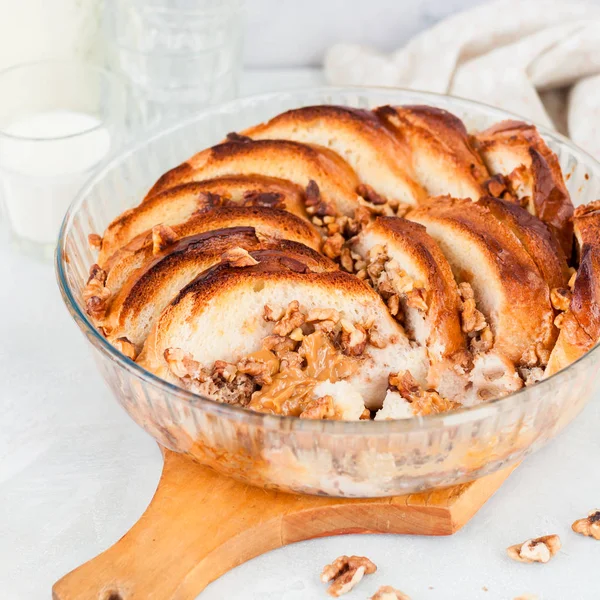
537 58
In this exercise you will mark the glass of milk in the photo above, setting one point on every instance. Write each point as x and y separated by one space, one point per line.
58 121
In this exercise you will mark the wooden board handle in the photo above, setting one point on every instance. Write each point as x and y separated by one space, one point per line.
200 524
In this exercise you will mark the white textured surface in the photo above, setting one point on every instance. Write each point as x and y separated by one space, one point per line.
75 473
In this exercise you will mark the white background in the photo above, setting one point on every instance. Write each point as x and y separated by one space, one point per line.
76 472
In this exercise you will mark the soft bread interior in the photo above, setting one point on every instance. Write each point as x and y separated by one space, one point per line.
378 158
230 305
443 160
298 163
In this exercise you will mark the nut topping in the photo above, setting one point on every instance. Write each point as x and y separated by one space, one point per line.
540 549
291 319
320 408
162 237
387 592
94 241
369 194
124 346
424 402
590 526
560 298
95 293
238 257
315 205
353 339
345 572
472 319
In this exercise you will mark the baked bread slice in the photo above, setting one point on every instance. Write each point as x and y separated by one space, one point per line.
379 158
508 288
272 222
531 172
536 237
401 255
298 163
148 289
443 159
221 316
580 323
178 204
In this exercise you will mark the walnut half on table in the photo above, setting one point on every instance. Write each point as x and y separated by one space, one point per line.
387 592
540 549
345 572
590 526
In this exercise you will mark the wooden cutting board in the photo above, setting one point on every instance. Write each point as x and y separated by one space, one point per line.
200 524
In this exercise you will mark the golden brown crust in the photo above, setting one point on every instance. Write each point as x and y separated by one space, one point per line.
444 161
536 237
159 279
379 158
178 203
509 278
580 324
296 162
516 150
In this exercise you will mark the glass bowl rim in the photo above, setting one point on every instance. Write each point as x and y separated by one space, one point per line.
192 401
113 76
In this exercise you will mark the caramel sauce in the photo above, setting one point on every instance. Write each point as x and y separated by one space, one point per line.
291 389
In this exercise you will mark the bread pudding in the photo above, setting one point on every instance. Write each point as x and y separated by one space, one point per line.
337 263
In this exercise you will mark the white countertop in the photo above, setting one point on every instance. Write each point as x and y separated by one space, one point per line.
76 472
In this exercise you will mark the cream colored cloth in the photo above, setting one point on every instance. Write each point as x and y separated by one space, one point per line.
537 58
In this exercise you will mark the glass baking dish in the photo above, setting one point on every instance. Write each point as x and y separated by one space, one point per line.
332 458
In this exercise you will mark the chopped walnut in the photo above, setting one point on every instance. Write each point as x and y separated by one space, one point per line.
590 526
95 293
315 205
124 346
320 408
572 279
345 572
540 549
225 370
531 375
483 342
346 261
393 304
268 199
536 355
332 247
403 209
233 136
376 339
94 241
260 370
560 298
472 319
369 194
322 314
424 402
353 338
385 209
401 282
416 299
183 365
210 200
162 237
496 186
238 257
387 592
278 344
291 319
272 315
289 360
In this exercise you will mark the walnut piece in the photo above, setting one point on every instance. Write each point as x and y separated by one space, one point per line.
472 319
267 199
94 241
183 365
233 136
315 205
238 257
540 549
162 237
387 592
423 402
291 319
95 293
345 572
332 247
353 338
590 526
561 298
319 408
370 195
124 346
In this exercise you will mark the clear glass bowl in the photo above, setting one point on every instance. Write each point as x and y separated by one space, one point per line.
334 458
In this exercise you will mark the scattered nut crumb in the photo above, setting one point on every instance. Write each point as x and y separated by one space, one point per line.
540 549
590 526
560 298
387 592
345 572
527 597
